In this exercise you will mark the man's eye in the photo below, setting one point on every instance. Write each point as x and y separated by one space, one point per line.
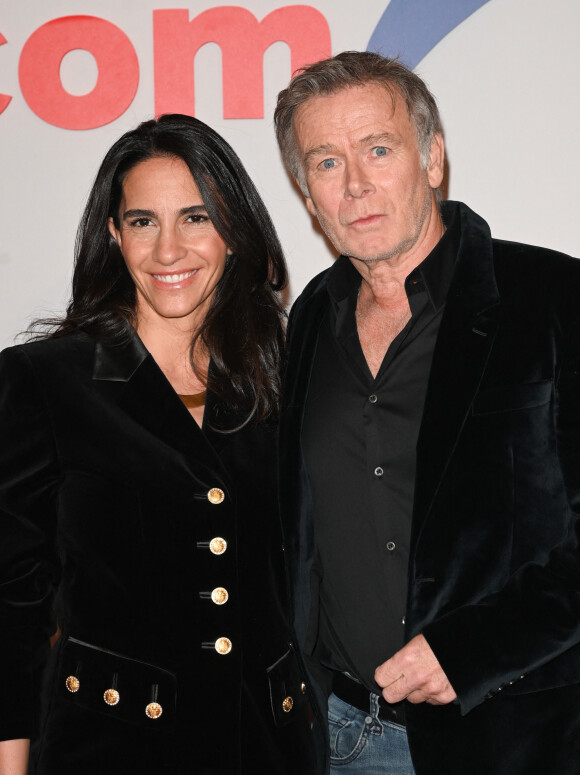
380 150
328 164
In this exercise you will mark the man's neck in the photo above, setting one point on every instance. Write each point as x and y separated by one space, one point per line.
383 280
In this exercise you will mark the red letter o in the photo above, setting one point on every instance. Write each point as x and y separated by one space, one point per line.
4 98
39 72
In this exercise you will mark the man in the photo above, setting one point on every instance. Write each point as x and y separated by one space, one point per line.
430 451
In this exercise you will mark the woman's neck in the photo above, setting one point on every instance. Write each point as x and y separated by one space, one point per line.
170 347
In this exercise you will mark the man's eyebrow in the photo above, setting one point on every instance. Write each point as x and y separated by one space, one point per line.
319 150
328 148
377 139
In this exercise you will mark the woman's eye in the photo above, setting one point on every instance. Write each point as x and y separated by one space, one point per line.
328 164
139 223
197 218
380 150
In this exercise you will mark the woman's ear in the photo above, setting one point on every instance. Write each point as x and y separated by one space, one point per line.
113 231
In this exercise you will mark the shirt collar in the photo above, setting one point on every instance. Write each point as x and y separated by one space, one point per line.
433 274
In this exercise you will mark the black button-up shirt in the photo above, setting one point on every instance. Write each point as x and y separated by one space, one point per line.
359 441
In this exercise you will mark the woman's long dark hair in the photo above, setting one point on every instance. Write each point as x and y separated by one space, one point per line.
243 329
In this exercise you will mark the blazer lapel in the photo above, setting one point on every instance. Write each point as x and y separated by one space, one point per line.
150 401
465 340
295 501
301 350
302 343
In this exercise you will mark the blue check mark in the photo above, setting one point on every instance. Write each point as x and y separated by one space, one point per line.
410 29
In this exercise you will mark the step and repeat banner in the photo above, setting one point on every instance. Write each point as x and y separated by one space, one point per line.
76 74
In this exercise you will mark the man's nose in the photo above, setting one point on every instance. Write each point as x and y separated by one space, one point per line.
357 183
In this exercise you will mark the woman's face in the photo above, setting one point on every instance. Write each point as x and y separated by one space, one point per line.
171 248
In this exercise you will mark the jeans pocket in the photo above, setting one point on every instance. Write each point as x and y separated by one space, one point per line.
348 732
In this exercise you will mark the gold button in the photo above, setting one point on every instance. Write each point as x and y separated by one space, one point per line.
287 704
73 684
223 645
111 697
218 545
220 595
153 710
303 687
216 495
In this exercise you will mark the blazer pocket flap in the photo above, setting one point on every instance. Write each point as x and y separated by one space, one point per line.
287 689
509 398
116 685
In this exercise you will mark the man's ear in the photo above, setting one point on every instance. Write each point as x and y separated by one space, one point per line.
310 206
435 167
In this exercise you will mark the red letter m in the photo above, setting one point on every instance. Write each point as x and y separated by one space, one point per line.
243 41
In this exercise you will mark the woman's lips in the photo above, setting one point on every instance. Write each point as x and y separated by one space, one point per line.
175 279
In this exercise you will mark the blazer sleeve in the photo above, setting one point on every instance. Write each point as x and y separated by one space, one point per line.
528 631
28 483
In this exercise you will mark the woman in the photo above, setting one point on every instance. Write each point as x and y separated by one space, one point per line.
138 482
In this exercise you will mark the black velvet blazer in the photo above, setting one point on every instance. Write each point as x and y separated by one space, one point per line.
494 572
111 496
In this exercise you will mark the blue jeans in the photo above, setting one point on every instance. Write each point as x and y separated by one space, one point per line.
362 744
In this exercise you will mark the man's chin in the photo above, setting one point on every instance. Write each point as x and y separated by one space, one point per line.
371 256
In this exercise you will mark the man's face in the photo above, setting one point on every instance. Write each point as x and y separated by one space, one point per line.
362 165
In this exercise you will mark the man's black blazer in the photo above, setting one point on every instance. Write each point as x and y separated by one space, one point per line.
494 571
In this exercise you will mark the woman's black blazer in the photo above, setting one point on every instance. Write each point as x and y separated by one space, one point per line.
113 526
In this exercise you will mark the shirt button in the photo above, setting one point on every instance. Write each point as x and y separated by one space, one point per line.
379 471
72 683
373 398
111 697
153 710
287 704
217 545
223 646
391 546
220 595
216 495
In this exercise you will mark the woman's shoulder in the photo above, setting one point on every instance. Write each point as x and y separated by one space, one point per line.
53 352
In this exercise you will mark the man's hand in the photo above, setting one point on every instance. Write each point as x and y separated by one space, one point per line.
415 673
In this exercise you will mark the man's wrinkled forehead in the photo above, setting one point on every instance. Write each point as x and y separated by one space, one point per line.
314 113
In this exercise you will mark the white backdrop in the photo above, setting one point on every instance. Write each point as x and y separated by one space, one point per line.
506 80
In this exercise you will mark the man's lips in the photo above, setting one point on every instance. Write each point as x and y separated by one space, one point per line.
366 220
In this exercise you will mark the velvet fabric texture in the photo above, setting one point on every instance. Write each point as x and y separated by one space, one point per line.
494 572
104 490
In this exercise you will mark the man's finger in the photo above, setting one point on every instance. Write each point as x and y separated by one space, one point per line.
385 675
396 690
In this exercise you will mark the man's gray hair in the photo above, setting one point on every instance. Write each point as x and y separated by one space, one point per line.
354 68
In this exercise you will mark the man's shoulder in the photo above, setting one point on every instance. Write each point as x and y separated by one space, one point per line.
510 249
533 264
313 288
508 255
